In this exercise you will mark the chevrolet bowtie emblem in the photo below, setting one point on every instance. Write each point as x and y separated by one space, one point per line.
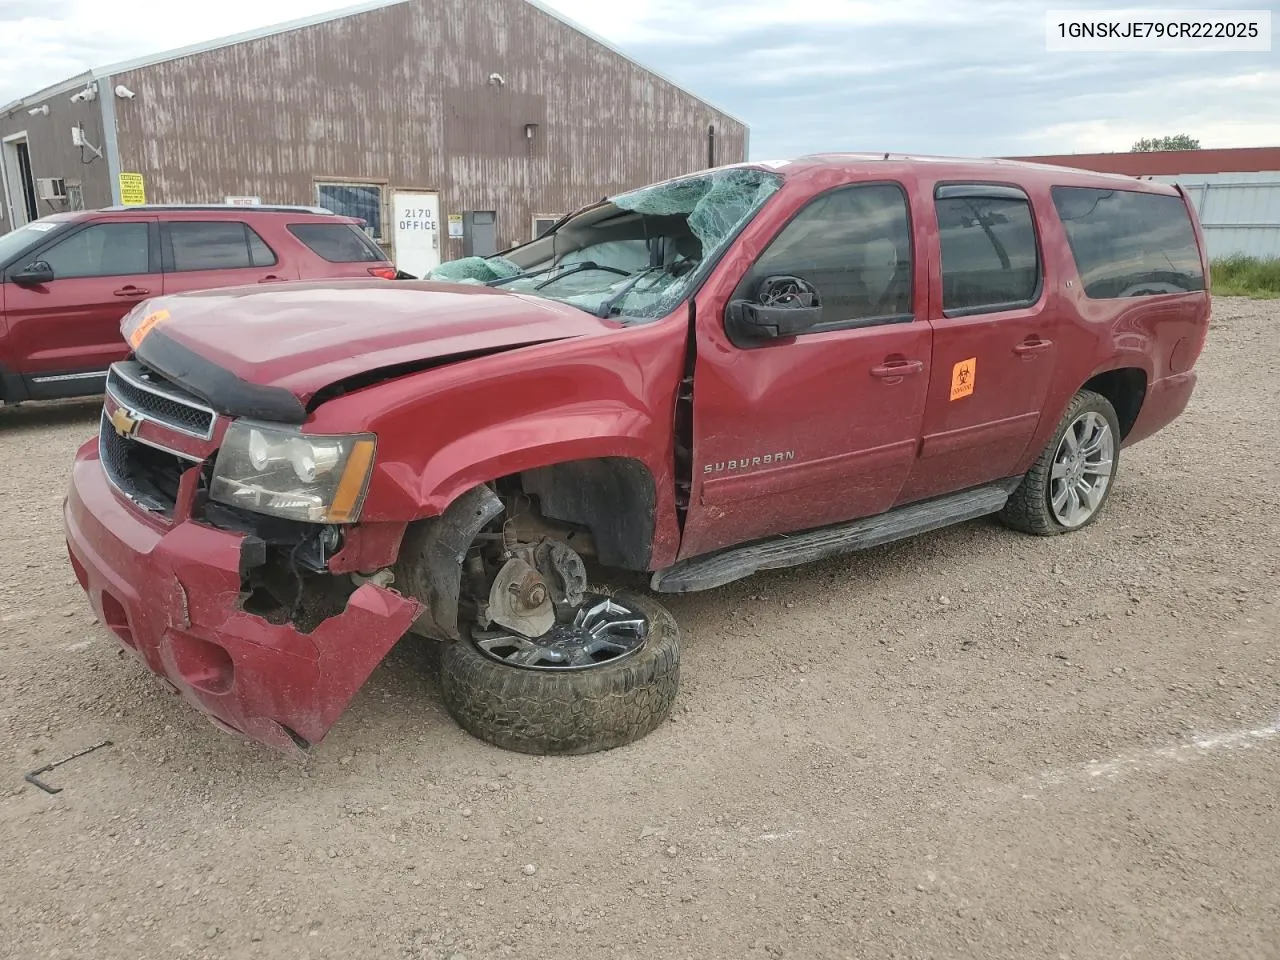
123 422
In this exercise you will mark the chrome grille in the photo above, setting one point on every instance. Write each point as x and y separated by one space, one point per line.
153 398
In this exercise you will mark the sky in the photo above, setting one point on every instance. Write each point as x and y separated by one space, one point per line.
924 76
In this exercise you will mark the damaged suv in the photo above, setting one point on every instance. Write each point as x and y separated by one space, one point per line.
747 368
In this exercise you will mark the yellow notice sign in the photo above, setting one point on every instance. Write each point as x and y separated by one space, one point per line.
963 375
133 192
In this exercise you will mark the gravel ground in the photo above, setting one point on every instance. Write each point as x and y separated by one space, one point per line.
974 744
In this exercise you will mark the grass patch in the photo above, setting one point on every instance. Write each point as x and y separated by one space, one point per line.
1241 276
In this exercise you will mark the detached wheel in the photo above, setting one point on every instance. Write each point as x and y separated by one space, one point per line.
605 677
1070 481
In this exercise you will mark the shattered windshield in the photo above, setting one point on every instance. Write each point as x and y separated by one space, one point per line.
634 257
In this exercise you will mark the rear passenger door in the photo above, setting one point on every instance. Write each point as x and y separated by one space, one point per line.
202 254
994 344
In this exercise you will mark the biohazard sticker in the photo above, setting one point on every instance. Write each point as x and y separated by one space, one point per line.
962 376
145 326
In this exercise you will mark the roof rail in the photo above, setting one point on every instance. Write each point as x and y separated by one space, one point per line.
267 207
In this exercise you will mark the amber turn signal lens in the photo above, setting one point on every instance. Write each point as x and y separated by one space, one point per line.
346 499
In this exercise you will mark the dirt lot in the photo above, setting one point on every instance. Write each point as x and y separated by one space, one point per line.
976 744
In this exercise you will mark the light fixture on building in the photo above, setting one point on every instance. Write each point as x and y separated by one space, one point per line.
529 130
42 110
496 79
124 93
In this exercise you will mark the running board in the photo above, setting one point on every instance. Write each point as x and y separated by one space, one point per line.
717 569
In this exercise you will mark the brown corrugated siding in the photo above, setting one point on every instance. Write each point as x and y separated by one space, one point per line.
52 155
401 95
1168 163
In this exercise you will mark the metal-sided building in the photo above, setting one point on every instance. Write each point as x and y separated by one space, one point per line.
406 113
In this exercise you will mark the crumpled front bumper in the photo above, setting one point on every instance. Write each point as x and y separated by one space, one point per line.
171 596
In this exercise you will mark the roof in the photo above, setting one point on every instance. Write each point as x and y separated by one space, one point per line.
221 207
1171 162
99 73
971 166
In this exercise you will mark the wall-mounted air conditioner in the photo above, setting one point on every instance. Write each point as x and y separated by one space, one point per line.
51 188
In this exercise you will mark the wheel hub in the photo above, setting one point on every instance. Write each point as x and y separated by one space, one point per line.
602 631
1082 469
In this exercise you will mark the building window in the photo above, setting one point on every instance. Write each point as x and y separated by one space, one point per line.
360 200
990 260
75 196
541 224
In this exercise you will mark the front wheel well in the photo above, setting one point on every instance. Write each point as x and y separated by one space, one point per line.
1125 388
614 498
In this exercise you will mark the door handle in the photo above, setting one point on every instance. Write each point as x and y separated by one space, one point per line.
897 368
129 290
270 278
1030 347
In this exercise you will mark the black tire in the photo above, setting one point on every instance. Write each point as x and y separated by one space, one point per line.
566 712
1028 508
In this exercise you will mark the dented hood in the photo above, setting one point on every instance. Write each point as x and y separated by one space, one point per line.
266 351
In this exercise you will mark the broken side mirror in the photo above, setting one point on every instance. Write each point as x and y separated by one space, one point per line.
782 307
33 274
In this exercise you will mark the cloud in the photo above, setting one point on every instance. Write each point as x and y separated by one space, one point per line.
933 76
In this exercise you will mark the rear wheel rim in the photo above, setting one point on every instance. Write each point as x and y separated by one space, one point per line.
602 632
1082 469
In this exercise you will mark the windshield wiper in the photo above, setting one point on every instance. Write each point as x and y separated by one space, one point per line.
520 276
606 307
578 268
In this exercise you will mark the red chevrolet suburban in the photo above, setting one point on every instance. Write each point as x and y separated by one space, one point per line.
67 280
747 368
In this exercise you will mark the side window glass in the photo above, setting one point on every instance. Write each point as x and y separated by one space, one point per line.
853 245
1129 244
216 245
260 254
101 250
990 259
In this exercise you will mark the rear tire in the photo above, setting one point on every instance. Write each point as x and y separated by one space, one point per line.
566 711
1044 504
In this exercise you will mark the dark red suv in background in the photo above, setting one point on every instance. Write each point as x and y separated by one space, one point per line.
67 280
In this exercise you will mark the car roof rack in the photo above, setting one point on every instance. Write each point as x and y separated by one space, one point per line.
260 207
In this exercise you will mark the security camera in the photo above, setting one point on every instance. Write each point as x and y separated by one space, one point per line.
124 93
43 109
86 95
496 79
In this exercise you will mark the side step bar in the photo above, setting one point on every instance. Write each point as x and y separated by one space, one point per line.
717 569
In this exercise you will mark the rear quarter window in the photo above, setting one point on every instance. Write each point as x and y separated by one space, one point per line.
338 242
1129 244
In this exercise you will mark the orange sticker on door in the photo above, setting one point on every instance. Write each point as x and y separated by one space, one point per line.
962 376
145 326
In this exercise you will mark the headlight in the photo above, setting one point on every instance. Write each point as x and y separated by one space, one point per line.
278 470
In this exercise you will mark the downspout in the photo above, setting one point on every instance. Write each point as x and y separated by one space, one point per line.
111 144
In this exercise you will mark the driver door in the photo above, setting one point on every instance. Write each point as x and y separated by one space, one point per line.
800 432
68 329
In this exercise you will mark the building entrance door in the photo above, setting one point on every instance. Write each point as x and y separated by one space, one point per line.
416 231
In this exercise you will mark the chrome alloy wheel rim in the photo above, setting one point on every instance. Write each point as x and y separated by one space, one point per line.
1082 469
602 632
